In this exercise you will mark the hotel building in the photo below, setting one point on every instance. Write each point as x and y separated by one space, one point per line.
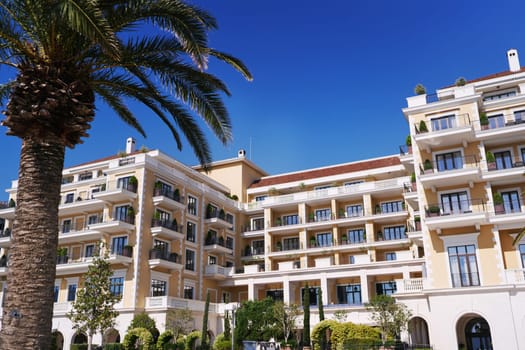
432 226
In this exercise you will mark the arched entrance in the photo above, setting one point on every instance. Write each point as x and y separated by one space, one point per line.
473 333
58 340
477 335
111 336
418 330
79 338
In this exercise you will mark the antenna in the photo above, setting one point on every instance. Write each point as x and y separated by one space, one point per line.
250 148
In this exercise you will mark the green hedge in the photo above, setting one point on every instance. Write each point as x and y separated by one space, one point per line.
82 346
114 346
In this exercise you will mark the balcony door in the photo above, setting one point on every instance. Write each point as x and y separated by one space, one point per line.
455 203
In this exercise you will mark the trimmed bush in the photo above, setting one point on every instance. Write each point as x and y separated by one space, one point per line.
221 343
142 335
164 339
191 338
113 346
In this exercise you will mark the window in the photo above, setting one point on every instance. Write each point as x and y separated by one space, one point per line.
499 96
69 198
356 235
354 210
192 205
313 295
260 198
323 214
353 182
390 256
290 219
90 249
449 161
117 244
291 243
229 218
463 265
323 187
496 121
116 285
258 224
124 182
503 160
258 247
229 242
66 226
391 207
92 219
351 259
324 239
386 288
158 288
163 217
162 188
56 289
394 232
191 230
455 203
71 292
190 260
519 116
212 260
188 291
275 295
511 202
161 246
349 294
522 254
443 123
123 213
85 176
211 211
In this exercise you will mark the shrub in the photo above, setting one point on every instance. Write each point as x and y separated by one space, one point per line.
420 89
191 338
139 334
113 346
164 339
222 343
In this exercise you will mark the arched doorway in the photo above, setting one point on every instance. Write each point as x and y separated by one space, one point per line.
477 334
58 340
79 338
418 330
111 336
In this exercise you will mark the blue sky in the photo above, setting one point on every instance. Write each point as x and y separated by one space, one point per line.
330 78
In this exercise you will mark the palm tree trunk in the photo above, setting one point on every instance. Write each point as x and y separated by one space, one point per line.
28 308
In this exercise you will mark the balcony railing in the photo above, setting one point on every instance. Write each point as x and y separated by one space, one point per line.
174 195
502 121
412 285
468 161
164 255
169 224
515 276
5 233
506 164
460 121
251 251
459 207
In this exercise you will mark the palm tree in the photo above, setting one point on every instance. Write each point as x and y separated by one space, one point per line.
65 54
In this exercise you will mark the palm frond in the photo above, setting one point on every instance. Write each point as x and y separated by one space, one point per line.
5 91
519 237
234 62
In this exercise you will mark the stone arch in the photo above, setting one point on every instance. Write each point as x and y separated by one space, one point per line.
473 332
111 336
58 338
418 330
79 338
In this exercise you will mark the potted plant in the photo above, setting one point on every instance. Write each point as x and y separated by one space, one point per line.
132 183
62 257
130 215
278 222
378 209
491 161
279 246
127 250
498 203
433 210
483 121
341 213
417 222
413 181
209 211
408 143
222 214
11 203
174 225
176 195
379 235
420 89
427 167
460 81
312 241
344 239
311 217
423 126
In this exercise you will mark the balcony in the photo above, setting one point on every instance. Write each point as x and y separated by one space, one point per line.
462 213
216 245
165 260
444 133
78 233
166 229
504 172
515 276
502 129
80 205
164 302
456 171
410 286
114 193
6 211
5 238
251 253
507 218
218 272
168 199
218 220
126 223
252 231
68 266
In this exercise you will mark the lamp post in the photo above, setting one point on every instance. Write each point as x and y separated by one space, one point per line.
233 325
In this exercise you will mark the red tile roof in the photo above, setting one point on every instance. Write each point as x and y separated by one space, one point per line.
328 171
491 76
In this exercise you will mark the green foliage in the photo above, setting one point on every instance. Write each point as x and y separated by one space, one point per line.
483 119
490 157
423 126
204 334
420 89
82 346
113 346
306 316
320 304
342 333
497 198
390 317
93 310
460 81
138 336
286 316
164 339
255 320
319 332
227 326
191 338
408 141
222 343
179 321
143 320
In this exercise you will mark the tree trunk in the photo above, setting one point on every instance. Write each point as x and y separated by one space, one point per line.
28 308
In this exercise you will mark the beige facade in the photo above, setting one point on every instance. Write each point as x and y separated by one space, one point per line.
442 245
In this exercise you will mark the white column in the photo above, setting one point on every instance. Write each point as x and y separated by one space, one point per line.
251 290
286 290
324 288
364 287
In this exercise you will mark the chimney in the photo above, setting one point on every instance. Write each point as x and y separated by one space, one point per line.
130 145
514 61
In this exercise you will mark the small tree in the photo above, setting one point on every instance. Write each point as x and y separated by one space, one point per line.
286 316
306 316
93 310
179 321
227 326
390 317
204 333
143 320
